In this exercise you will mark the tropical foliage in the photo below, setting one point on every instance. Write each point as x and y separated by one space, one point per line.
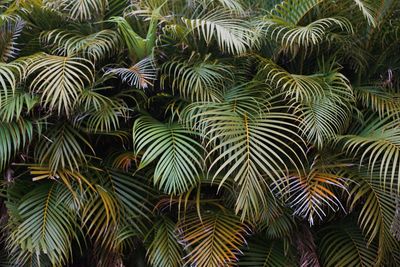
199 133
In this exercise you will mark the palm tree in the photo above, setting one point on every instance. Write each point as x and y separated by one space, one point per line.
199 133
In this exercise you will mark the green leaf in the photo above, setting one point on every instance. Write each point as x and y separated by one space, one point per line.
179 159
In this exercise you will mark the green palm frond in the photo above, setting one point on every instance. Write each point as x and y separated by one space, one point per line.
233 35
282 24
164 249
309 195
378 100
81 10
139 47
45 224
343 244
377 143
96 46
8 78
142 74
367 10
59 80
377 213
99 114
300 87
213 241
198 80
62 146
10 31
250 149
13 137
14 105
179 155
322 120
265 253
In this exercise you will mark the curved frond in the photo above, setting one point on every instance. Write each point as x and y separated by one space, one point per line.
46 222
311 194
250 149
142 74
378 100
232 35
344 245
377 213
14 105
164 249
81 10
377 142
96 46
367 10
283 25
13 137
265 253
198 80
179 155
10 30
62 147
60 80
213 241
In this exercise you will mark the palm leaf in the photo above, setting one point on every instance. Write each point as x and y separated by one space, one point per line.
215 240
81 10
265 253
377 140
14 105
60 80
62 147
367 10
46 222
198 80
13 137
247 145
377 213
344 245
232 35
179 159
10 30
96 46
309 195
142 74
282 24
164 249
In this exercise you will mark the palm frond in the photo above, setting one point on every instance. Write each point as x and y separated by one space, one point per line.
142 74
198 80
13 137
179 155
377 213
232 35
377 142
283 25
378 100
213 240
14 105
10 31
164 249
247 148
266 253
367 10
309 195
62 146
81 10
343 245
46 223
96 46
59 80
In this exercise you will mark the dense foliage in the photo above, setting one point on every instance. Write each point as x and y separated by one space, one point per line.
199 133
